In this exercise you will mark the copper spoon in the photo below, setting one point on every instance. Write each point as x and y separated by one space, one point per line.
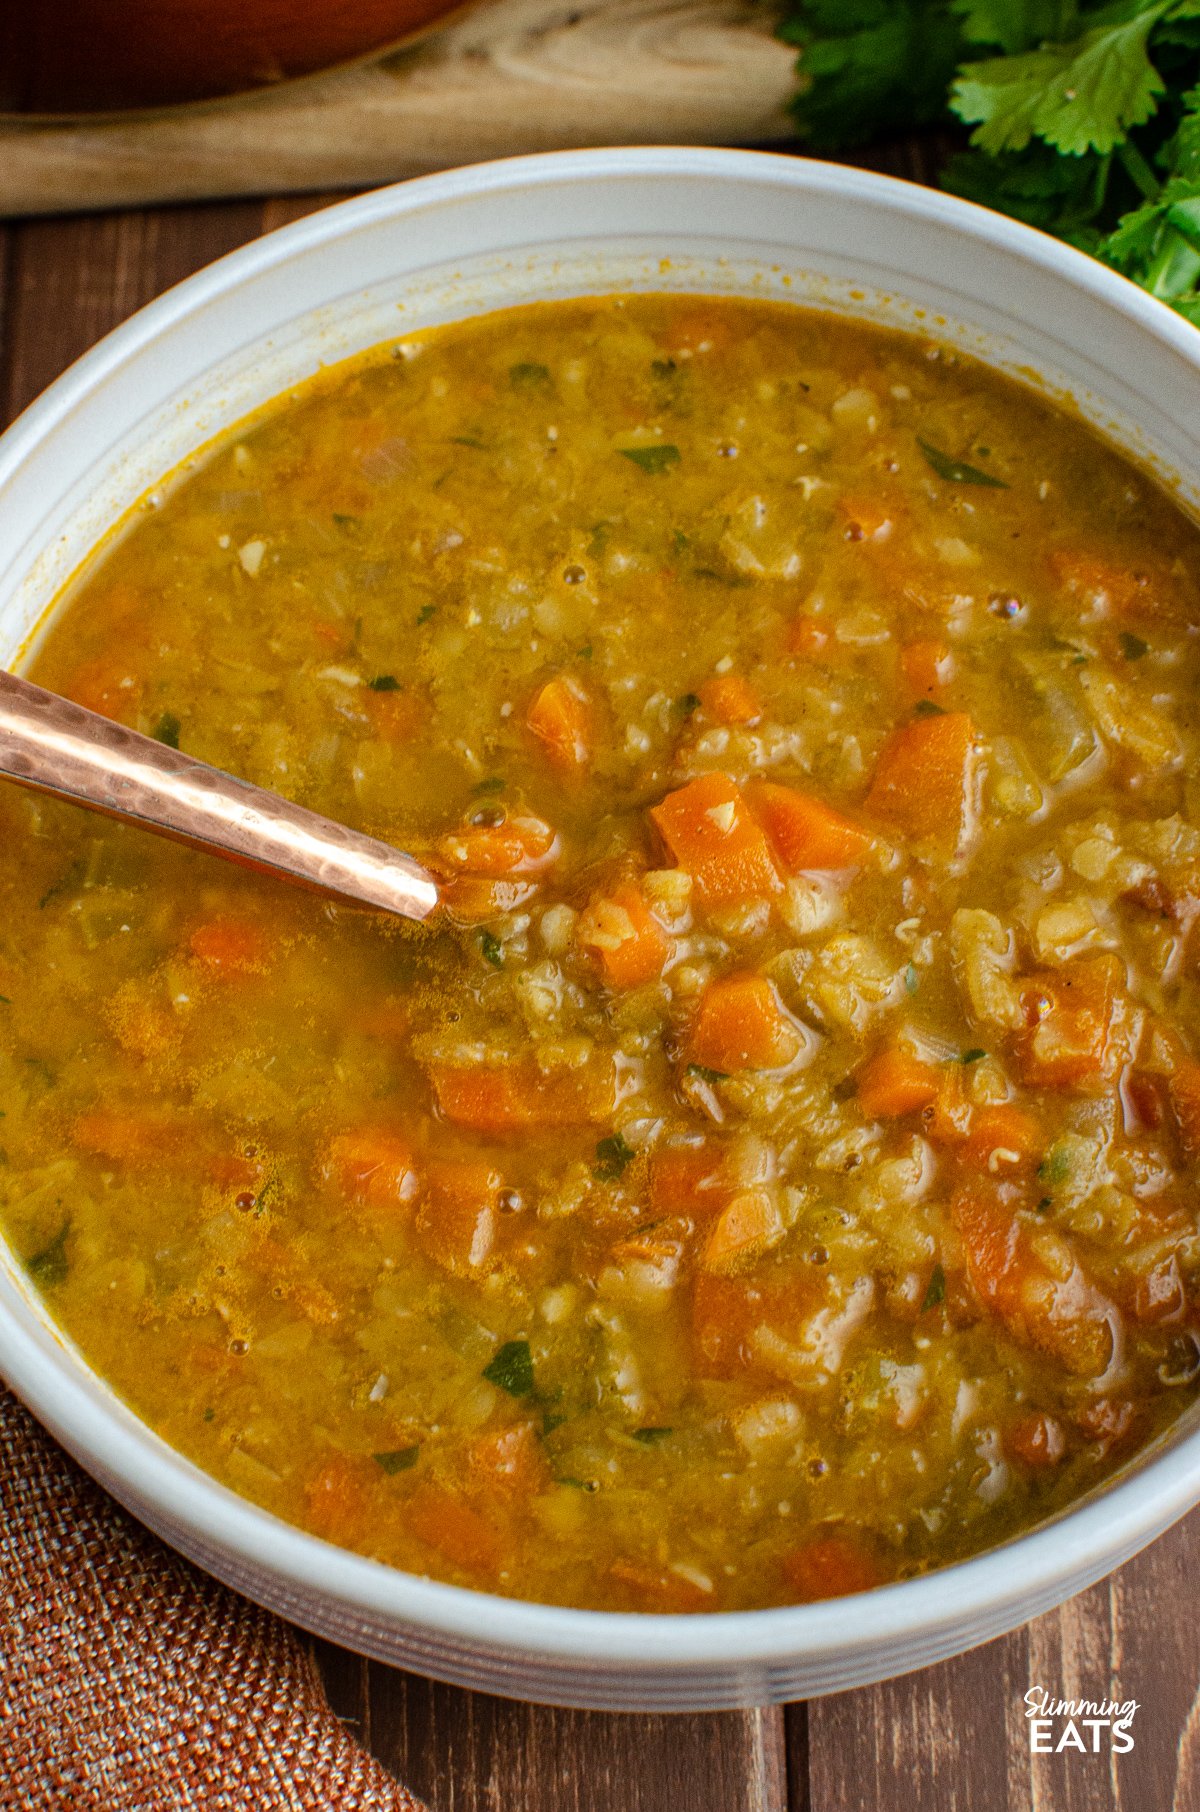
53 746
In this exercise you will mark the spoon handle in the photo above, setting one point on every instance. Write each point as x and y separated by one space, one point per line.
53 746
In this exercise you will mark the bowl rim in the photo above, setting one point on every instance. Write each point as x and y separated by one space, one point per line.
1021 1576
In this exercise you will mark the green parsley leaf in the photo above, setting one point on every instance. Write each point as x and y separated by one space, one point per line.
936 1291
529 376
870 67
1132 646
1055 1167
612 1157
974 1055
384 682
689 702
48 1268
925 707
166 730
957 471
652 459
400 1459
702 1073
426 611
649 1436
511 1369
492 948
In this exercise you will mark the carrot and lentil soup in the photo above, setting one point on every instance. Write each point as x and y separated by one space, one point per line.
776 1175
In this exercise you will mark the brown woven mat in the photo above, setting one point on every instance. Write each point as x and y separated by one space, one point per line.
131 1682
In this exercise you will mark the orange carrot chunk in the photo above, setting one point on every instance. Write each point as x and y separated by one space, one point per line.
1004 1138
509 1464
560 717
807 637
124 1137
659 1588
456 1221
453 1529
922 783
625 938
1184 1093
686 1179
372 1165
895 1082
229 946
740 1025
804 832
730 699
106 685
502 1102
1070 1012
831 1566
711 832
926 667
516 846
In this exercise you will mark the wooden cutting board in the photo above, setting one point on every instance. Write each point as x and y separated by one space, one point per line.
505 77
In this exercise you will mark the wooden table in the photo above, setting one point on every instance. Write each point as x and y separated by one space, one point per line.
950 1739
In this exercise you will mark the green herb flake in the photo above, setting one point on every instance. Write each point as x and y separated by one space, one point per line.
1055 1167
578 1484
552 1419
495 783
652 459
48 1268
936 1291
612 1157
511 1369
912 981
957 471
586 652
466 440
166 730
703 1074
687 704
974 1055
399 1459
663 368
527 375
344 521
1132 646
1046 1202
925 707
209 1414
384 682
493 950
649 1436
5 1000
426 611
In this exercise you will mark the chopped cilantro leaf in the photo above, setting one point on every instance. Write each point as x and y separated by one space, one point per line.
425 612
511 1369
974 1055
529 376
48 1267
703 1074
493 784
399 1459
925 707
612 1156
689 702
1132 646
384 682
936 1291
1055 1167
166 730
493 950
648 1436
957 471
652 459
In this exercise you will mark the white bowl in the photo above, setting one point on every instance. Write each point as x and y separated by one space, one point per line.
428 251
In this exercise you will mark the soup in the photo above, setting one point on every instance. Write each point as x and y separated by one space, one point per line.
775 1173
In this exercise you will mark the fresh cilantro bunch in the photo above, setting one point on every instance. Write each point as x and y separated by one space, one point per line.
1085 116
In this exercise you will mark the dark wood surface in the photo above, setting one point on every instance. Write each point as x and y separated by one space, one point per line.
953 1738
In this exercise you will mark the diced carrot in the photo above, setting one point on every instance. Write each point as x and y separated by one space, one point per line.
831 1566
947 1119
926 666
371 1165
338 1497
687 1180
712 833
456 1221
106 685
125 1137
473 899
1036 1440
397 717
1108 586
623 935
1070 1011
724 1312
229 946
740 1025
894 1083
453 1529
1004 1138
698 329
865 517
1160 1293
747 1227
922 781
516 846
807 637
560 717
805 832
1058 1311
660 1589
728 698
503 1102
1183 1090
509 1464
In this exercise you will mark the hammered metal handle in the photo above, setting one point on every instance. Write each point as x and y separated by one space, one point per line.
53 746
